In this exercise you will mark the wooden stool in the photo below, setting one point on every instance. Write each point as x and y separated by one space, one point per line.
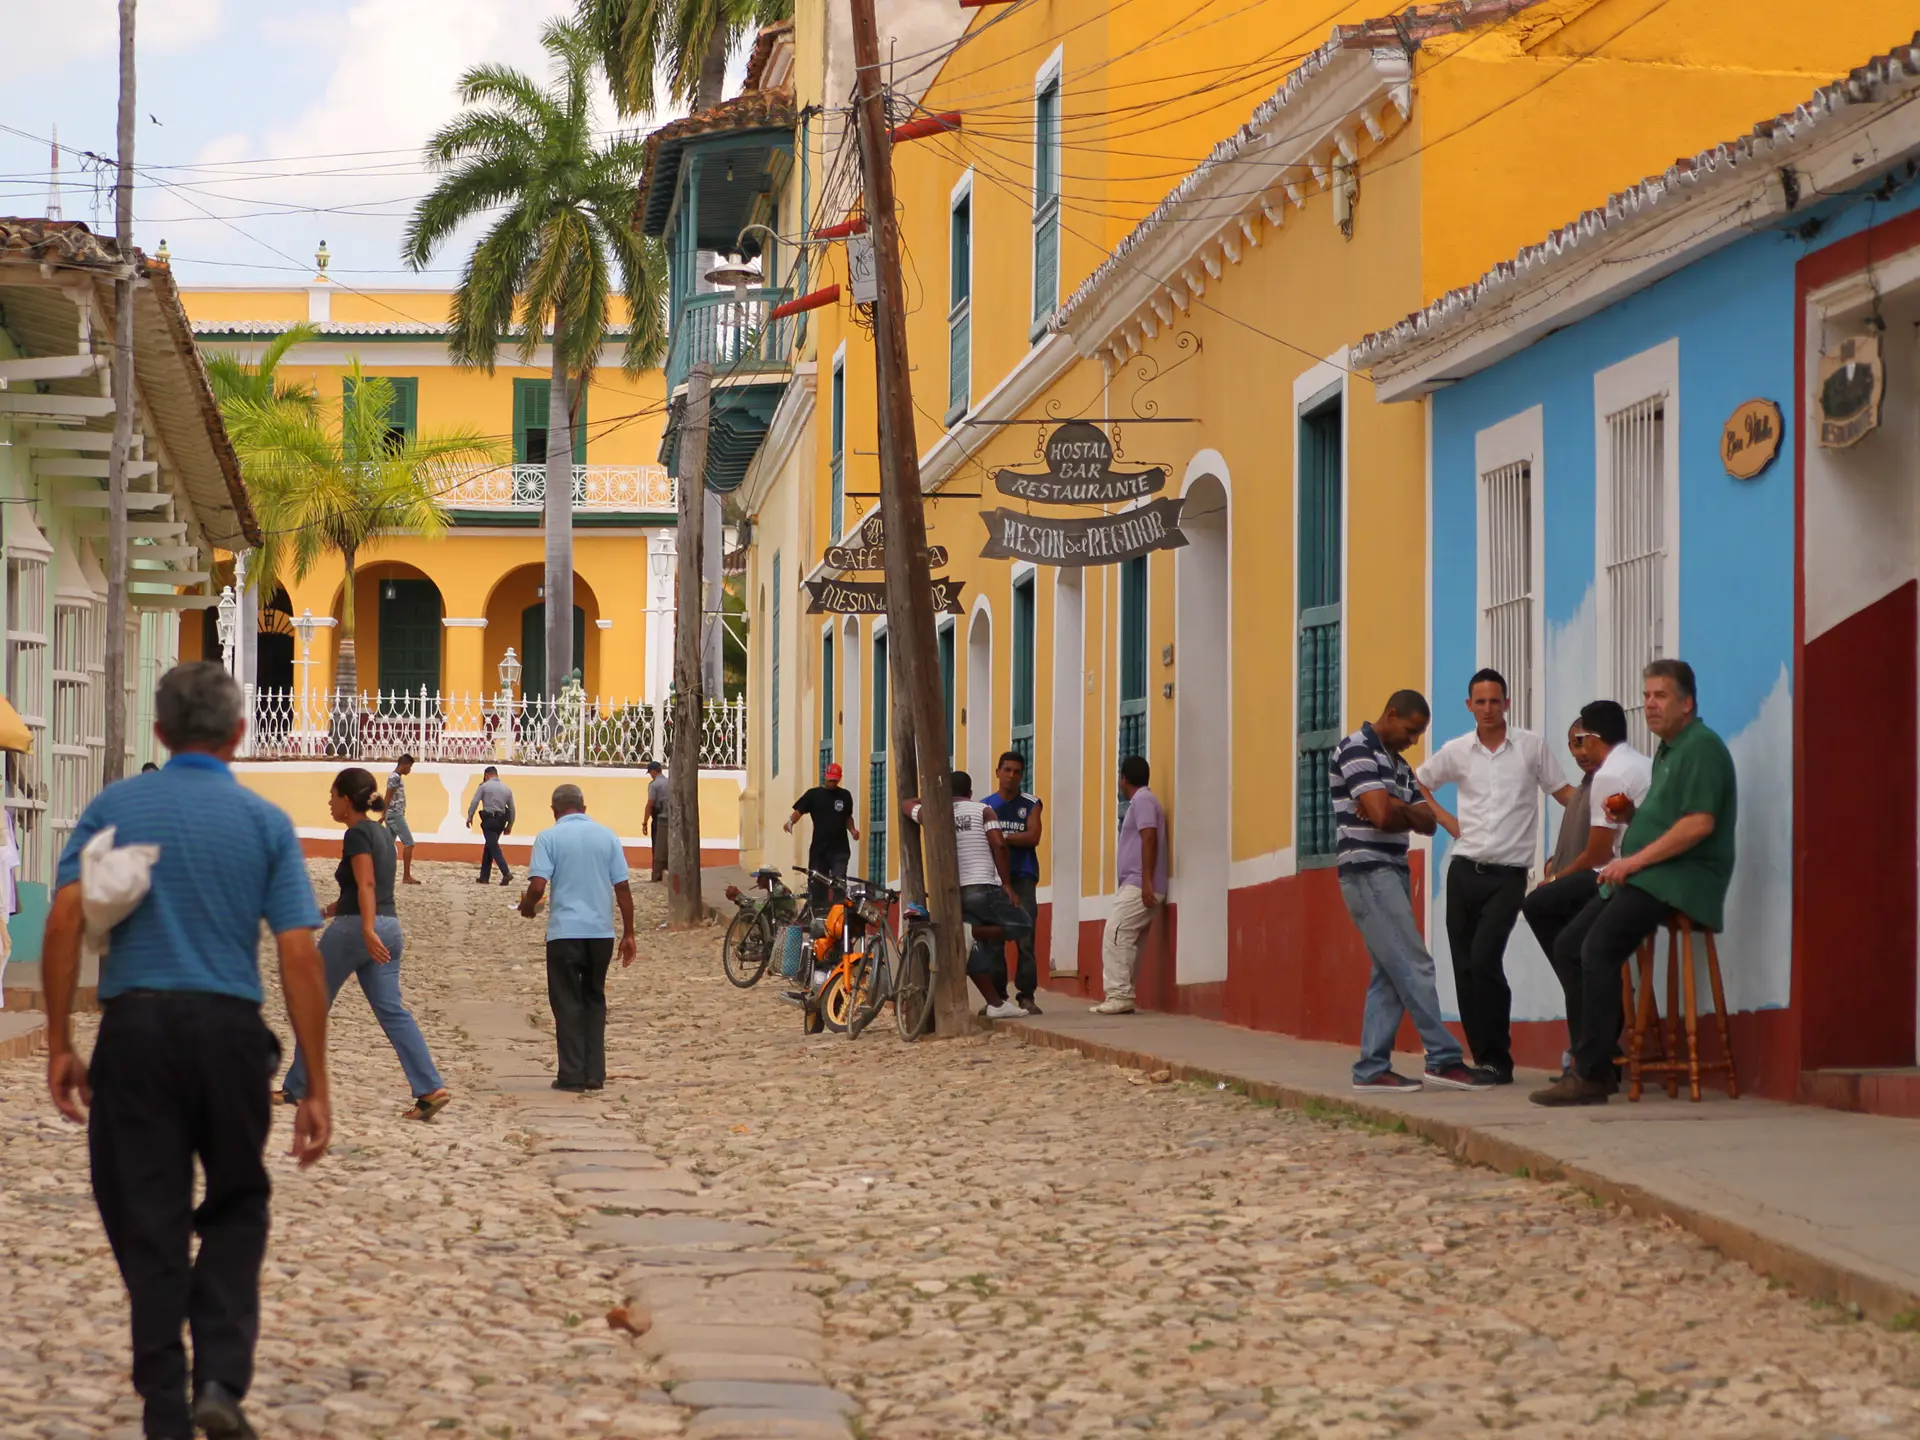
1680 987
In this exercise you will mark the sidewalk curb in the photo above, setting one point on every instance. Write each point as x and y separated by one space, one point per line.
1817 1277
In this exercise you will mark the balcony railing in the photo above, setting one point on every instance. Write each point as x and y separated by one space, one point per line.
575 729
734 336
621 488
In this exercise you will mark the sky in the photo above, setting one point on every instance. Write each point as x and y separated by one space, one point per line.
264 128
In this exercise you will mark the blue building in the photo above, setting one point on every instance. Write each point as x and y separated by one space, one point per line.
1603 493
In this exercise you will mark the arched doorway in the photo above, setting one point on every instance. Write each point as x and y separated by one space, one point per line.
980 737
409 611
1203 733
275 644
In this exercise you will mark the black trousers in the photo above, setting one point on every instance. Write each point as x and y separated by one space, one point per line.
1482 906
1596 943
1026 975
179 1074
657 839
833 862
491 829
577 991
1549 910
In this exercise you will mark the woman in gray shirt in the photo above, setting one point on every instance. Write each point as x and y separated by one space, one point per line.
364 941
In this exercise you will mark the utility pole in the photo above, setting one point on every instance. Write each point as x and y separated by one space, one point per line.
909 577
684 906
113 764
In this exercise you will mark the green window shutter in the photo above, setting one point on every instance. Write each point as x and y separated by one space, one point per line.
1317 656
877 767
405 415
1133 658
960 309
826 704
1046 204
837 519
580 428
1024 627
946 684
529 414
774 726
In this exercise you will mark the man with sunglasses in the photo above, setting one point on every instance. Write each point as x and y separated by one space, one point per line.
1618 777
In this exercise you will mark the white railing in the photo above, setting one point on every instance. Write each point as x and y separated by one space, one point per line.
595 487
575 729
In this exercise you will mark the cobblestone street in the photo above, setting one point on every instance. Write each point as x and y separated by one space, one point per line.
900 1241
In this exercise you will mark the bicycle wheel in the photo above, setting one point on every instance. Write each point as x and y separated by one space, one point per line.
913 986
747 948
872 982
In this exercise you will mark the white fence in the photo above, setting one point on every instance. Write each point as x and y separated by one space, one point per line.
574 729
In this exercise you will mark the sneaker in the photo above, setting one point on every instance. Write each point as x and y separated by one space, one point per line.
1025 1002
1389 1083
505 880
1112 1007
216 1410
1572 1090
425 1107
1494 1075
1005 1010
1459 1077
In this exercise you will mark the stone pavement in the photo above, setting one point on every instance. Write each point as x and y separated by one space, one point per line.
820 1239
1818 1198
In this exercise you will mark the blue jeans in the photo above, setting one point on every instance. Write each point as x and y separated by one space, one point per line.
345 953
1380 900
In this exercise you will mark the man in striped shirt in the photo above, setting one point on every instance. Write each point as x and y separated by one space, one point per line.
1376 805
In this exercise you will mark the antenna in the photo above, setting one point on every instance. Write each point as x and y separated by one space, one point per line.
53 181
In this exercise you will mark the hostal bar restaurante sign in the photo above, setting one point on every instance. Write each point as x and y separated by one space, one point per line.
1080 472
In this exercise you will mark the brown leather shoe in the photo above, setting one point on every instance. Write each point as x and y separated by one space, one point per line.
1571 1089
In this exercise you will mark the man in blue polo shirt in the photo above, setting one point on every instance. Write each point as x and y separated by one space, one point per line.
183 1063
582 860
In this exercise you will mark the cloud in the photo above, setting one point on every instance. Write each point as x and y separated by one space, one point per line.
163 27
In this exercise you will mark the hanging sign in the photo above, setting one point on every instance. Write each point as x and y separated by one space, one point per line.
1080 472
869 597
868 552
1851 380
1750 439
1098 540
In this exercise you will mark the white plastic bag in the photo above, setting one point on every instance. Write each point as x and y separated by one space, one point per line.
113 882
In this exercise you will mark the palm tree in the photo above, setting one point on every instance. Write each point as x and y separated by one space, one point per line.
242 389
687 41
327 480
565 208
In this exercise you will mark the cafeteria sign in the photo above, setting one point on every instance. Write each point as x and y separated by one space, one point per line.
868 550
1080 472
1098 540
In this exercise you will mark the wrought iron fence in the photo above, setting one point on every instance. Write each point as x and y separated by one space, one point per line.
572 729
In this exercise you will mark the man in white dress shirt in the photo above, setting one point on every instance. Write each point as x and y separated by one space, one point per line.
1621 779
1502 773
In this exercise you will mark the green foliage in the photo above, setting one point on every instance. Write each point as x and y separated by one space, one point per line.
684 42
560 209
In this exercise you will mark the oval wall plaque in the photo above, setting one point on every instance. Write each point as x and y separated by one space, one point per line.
1751 438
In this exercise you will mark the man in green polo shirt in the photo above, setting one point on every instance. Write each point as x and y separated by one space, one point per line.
1677 855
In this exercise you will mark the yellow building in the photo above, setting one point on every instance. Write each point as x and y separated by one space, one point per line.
442 614
1174 230
450 632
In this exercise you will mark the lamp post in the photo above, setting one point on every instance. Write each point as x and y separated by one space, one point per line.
509 677
228 620
304 626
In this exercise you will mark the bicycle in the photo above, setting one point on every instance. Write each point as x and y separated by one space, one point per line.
748 945
898 970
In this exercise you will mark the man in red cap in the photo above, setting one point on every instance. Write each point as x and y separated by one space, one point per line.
832 810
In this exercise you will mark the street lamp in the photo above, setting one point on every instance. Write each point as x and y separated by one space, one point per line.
228 621
304 627
509 672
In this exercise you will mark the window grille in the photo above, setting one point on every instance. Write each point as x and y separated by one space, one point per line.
1507 558
773 719
73 721
946 685
837 520
826 704
960 309
1317 678
27 682
1636 562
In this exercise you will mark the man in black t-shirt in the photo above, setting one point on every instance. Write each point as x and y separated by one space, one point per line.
831 809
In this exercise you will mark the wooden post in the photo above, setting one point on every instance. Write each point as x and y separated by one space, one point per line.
113 763
915 661
684 906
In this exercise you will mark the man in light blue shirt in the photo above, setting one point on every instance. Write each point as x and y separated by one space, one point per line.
582 862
